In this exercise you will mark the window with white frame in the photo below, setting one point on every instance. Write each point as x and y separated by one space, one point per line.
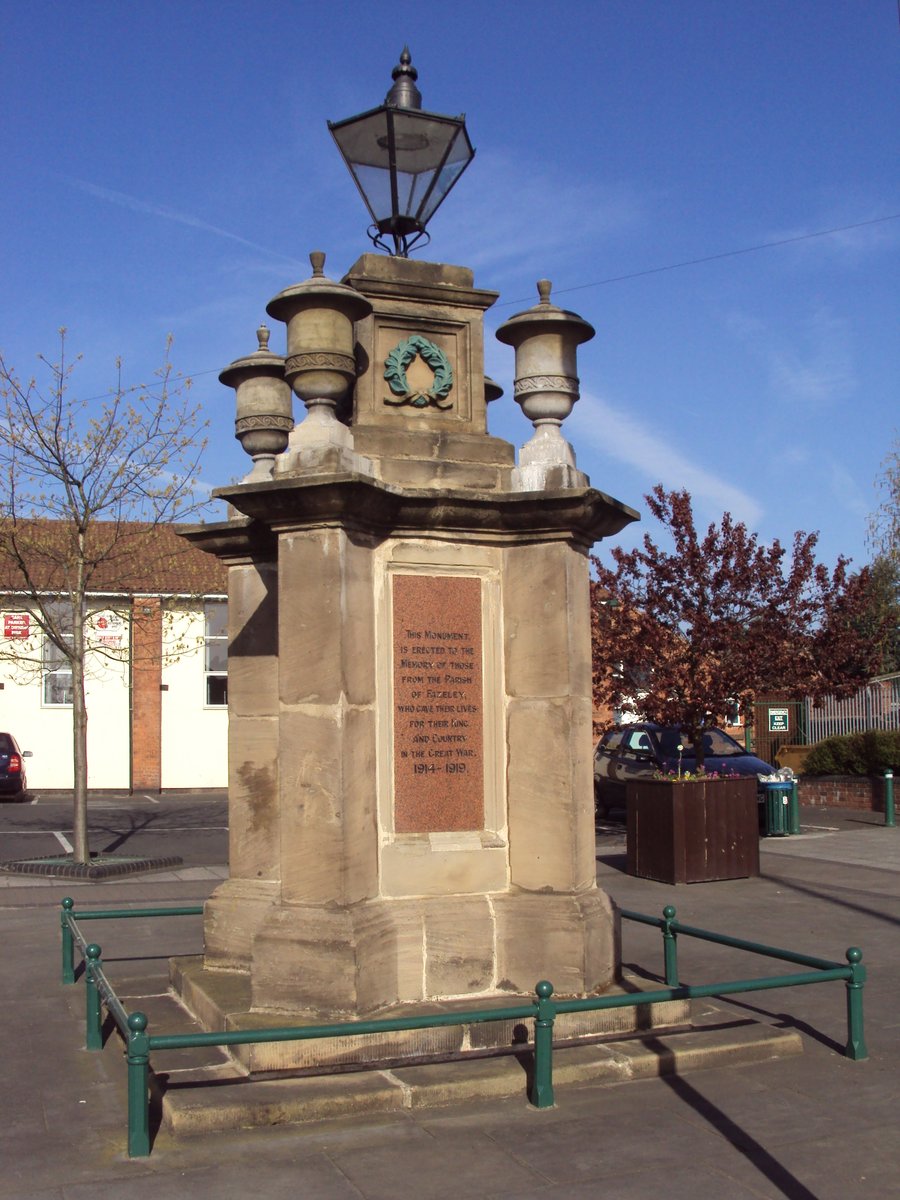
216 649
56 667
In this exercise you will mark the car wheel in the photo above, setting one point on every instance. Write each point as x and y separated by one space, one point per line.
601 804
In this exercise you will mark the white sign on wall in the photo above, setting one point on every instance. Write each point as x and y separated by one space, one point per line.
109 628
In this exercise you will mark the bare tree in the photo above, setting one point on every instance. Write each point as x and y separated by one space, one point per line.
82 483
884 524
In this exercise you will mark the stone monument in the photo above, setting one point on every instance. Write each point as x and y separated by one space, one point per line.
410 780
409 677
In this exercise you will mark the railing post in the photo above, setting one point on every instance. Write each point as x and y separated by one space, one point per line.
889 799
138 1058
856 1042
670 947
542 1088
93 1036
794 809
68 942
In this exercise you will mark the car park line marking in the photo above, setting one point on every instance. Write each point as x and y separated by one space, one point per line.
34 801
152 799
187 828
159 829
64 842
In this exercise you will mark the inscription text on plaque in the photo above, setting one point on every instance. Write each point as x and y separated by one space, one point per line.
438 704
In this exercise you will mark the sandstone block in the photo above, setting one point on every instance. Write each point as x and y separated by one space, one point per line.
459 938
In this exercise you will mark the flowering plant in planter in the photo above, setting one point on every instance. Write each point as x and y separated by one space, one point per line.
700 775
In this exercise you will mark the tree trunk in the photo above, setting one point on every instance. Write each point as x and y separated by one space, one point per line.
79 738
693 735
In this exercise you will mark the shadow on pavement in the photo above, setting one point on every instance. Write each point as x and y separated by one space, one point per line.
831 898
765 1162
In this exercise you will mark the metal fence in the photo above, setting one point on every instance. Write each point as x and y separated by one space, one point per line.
543 1009
778 722
876 706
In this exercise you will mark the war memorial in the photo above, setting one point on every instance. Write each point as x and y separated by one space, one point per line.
410 786
411 813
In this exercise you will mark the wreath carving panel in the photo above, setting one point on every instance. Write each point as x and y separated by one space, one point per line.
396 363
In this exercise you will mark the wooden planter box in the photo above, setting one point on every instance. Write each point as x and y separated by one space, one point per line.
692 832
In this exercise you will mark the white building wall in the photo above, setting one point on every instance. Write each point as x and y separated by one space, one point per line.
194 734
194 751
46 730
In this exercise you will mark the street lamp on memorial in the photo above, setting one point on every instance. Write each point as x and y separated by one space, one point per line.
403 160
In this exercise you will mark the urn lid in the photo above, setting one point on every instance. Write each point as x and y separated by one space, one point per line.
318 292
542 318
492 390
262 361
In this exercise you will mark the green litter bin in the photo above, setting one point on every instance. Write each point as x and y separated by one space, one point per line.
778 799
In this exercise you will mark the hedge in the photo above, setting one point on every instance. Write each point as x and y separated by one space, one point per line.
870 753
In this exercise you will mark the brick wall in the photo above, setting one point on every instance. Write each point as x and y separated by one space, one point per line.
146 696
842 791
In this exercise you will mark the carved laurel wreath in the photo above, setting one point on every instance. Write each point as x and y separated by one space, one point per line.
395 373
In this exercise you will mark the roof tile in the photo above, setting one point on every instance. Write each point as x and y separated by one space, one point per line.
125 557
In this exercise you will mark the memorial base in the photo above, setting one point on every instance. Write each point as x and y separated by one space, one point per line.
360 960
220 1000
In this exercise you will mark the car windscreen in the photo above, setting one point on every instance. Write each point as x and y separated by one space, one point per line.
5 744
611 741
669 740
715 742
719 743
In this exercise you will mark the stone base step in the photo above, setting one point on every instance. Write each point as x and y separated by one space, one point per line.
220 1000
717 1037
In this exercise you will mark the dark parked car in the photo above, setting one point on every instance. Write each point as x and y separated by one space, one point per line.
634 752
12 766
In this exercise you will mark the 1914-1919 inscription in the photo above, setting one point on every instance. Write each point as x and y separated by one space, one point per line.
438 704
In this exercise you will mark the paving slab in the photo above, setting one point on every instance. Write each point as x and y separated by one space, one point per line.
815 1125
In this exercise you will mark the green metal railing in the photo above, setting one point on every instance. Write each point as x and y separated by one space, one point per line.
543 1010
889 818
822 970
72 935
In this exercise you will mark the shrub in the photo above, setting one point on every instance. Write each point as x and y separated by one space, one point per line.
869 753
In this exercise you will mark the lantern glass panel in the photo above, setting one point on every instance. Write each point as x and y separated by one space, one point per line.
429 155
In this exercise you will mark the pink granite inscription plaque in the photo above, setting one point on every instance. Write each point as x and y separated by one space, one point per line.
438 704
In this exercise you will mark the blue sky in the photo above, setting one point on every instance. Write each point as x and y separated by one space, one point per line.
167 169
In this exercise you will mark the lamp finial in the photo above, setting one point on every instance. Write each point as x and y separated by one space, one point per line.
404 93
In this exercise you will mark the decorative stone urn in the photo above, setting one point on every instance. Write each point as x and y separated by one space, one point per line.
321 355
264 407
546 338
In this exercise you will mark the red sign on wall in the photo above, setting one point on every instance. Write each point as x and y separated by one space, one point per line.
16 625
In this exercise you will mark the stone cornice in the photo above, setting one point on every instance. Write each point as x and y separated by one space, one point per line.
239 541
404 279
579 516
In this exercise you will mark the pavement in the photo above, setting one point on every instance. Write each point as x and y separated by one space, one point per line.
809 1127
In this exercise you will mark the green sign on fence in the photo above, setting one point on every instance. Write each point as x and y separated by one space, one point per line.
779 720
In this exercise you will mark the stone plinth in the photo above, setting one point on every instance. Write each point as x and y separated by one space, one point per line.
410 779
222 1001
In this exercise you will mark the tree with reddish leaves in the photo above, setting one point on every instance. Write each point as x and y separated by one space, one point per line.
689 636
